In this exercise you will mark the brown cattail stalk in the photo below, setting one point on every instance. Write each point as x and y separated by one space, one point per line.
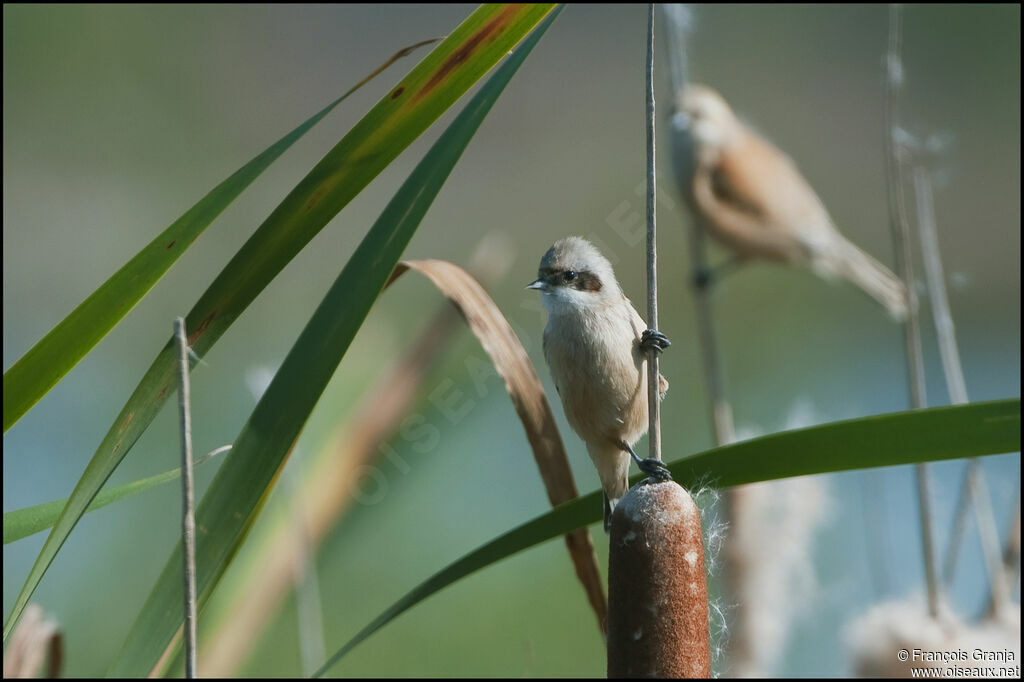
657 594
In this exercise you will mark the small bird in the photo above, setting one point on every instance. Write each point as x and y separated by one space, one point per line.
594 344
750 196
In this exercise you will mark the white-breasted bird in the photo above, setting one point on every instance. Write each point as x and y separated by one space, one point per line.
594 345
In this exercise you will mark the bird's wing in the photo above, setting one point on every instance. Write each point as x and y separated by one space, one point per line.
766 184
635 321
737 221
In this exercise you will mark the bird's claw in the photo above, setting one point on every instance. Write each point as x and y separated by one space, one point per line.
652 339
655 469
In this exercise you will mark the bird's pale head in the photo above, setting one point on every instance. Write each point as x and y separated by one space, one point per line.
573 275
707 117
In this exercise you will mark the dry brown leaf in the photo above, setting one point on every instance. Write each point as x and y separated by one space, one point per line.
510 359
327 492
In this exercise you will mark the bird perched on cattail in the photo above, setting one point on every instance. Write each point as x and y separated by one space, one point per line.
750 197
594 344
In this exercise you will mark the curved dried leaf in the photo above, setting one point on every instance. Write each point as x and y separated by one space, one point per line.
524 388
501 344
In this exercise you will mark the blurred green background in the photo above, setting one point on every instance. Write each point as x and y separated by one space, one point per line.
117 118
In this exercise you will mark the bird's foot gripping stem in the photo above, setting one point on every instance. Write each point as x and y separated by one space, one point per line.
653 339
654 468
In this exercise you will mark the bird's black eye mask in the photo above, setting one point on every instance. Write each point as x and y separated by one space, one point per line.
580 280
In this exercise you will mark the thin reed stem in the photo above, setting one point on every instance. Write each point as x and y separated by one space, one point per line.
719 410
901 239
188 519
653 371
974 490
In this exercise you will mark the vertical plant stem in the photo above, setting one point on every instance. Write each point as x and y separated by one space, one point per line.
657 595
956 533
974 490
719 407
719 410
677 22
653 372
999 589
944 328
188 519
904 261
740 652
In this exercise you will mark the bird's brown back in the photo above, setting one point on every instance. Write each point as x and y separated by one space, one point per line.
783 212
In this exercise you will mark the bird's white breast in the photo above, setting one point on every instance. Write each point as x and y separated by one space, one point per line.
599 373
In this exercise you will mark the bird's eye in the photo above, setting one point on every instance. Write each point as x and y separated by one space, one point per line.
570 275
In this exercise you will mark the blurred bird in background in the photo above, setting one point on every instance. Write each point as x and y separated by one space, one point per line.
749 196
594 344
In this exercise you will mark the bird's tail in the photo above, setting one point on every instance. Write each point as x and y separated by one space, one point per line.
609 507
613 467
849 262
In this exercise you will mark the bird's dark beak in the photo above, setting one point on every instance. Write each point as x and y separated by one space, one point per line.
538 284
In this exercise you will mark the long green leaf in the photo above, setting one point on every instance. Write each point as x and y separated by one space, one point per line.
21 523
934 434
425 93
46 363
242 484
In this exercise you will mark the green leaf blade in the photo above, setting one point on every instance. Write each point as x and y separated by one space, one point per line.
47 362
243 483
937 433
934 434
21 523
